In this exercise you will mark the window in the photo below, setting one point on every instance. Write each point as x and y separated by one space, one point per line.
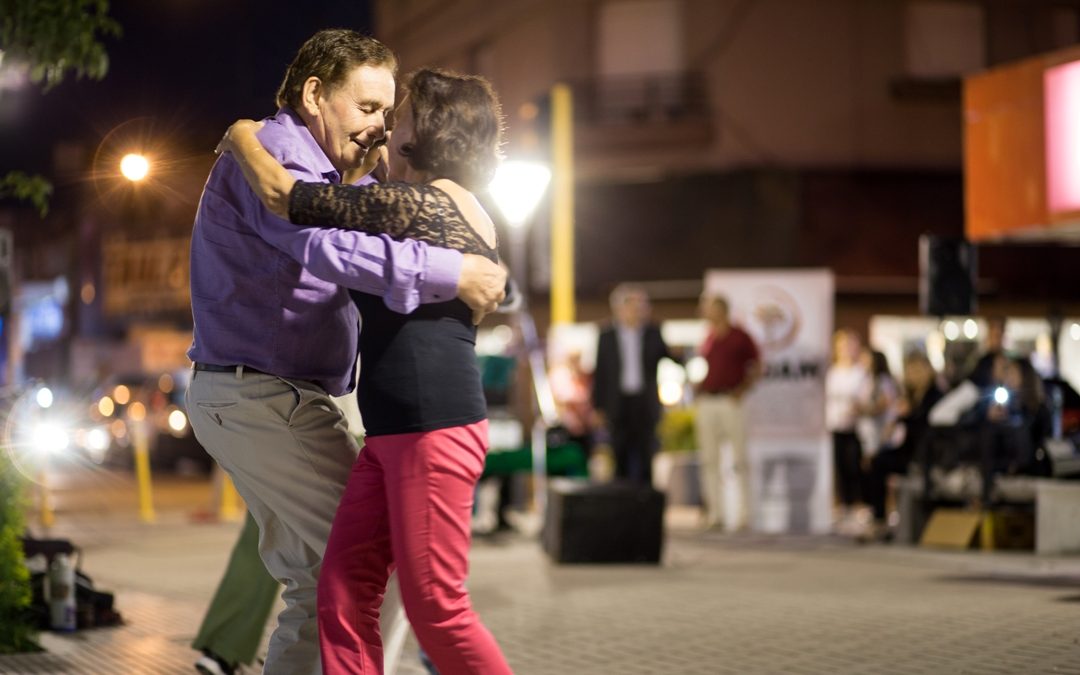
640 61
640 37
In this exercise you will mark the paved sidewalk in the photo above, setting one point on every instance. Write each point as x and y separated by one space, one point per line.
719 604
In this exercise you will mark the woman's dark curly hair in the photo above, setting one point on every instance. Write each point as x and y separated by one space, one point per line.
458 126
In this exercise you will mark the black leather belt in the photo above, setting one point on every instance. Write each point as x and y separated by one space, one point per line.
211 368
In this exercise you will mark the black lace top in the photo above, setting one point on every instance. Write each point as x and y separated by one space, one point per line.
418 371
402 210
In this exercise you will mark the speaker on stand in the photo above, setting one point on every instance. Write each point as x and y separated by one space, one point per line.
947 273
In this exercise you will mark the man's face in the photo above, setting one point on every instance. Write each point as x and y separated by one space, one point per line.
713 311
353 115
632 310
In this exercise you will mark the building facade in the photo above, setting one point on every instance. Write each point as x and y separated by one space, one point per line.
749 133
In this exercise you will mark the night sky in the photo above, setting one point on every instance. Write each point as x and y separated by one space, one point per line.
192 66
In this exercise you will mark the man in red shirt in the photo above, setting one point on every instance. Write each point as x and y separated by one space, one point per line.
734 366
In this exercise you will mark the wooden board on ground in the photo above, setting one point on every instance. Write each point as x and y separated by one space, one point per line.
951 528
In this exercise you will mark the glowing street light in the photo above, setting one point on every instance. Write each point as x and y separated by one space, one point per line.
177 421
971 329
44 397
517 189
136 412
50 439
134 167
97 440
121 394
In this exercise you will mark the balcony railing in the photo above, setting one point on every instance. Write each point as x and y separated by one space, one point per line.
640 99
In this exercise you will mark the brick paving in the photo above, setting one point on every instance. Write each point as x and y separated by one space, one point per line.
718 604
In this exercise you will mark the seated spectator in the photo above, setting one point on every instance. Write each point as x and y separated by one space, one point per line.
1001 427
1019 421
963 403
902 438
981 372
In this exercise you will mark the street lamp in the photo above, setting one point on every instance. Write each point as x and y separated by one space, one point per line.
134 167
516 190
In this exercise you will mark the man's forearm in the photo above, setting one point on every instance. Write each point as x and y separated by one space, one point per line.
405 273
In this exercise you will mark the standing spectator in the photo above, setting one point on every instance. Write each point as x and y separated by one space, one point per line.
734 365
901 438
877 402
624 385
843 382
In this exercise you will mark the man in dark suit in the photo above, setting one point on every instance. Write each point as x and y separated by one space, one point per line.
624 385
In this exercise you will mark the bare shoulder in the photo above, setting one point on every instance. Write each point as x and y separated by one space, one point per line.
470 207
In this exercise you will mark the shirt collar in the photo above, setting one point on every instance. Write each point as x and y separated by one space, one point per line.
319 161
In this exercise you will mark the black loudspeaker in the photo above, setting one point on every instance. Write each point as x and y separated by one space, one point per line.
603 523
947 273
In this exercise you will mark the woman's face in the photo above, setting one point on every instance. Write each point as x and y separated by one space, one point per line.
400 144
919 374
866 360
1014 377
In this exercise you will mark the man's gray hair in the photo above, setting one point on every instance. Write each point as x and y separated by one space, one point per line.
624 291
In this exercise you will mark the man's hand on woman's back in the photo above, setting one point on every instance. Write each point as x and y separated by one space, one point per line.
482 285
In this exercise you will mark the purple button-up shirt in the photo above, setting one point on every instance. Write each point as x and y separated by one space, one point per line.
272 295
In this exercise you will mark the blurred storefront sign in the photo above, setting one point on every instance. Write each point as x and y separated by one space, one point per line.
790 315
149 350
1062 96
1021 139
162 349
145 277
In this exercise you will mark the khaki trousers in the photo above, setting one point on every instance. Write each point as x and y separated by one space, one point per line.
721 422
287 448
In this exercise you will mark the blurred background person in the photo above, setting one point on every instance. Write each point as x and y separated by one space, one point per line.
901 437
571 387
981 370
843 383
877 402
965 404
1020 420
734 366
624 392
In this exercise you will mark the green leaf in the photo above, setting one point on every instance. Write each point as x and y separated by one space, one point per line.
16 630
57 38
34 189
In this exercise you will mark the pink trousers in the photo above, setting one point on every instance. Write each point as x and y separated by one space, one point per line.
408 503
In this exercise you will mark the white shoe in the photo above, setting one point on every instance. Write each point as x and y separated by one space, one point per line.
208 665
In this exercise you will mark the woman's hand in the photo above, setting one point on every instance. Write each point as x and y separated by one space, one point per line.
377 153
375 162
239 132
267 178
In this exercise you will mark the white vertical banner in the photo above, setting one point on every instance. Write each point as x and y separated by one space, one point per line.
789 313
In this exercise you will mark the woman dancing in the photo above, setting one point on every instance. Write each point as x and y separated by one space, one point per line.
409 498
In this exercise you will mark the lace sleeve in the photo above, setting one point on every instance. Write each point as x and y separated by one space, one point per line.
400 210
